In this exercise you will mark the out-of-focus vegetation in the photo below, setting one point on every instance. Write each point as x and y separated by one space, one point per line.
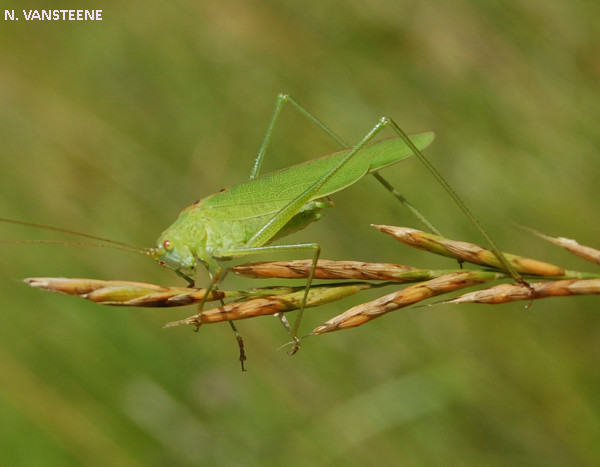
112 127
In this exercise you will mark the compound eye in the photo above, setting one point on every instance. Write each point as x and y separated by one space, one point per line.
167 245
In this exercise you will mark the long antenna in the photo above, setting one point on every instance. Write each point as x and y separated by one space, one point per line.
146 251
113 243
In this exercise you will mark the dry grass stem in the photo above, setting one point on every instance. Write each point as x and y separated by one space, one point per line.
277 300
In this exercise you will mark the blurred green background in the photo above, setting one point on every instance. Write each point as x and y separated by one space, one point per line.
113 127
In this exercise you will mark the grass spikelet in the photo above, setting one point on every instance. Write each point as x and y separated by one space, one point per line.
125 293
318 295
336 270
360 314
505 293
325 269
468 251
585 252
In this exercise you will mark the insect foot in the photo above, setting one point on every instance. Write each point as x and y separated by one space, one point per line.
296 346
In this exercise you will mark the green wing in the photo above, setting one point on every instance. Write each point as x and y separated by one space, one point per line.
271 192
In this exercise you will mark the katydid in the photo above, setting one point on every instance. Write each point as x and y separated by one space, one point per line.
245 218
